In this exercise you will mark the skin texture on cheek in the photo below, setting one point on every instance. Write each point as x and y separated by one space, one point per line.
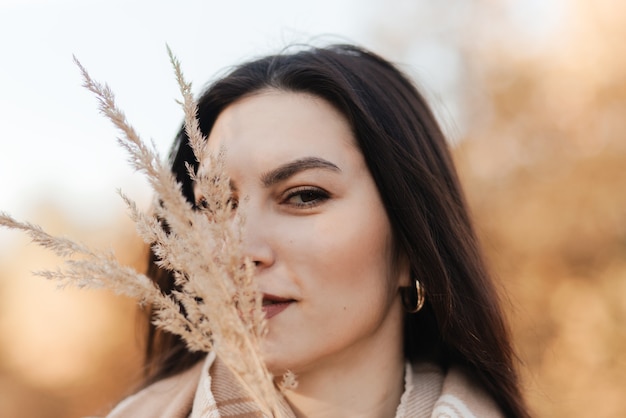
342 267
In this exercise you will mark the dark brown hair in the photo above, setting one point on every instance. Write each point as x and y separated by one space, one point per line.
407 155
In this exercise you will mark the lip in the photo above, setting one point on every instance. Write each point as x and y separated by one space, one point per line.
273 305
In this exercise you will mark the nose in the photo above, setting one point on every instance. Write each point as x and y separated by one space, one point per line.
256 237
259 253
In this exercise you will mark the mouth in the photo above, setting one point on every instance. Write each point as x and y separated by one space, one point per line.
273 305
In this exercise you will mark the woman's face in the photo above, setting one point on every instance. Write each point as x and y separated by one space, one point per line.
316 229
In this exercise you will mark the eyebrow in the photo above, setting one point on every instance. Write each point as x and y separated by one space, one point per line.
292 168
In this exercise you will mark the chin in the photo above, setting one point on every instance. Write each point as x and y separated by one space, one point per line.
276 360
282 352
272 359
274 363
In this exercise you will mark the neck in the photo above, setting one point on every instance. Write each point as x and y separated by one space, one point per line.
364 382
373 392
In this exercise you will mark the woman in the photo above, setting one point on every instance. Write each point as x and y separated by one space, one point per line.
375 290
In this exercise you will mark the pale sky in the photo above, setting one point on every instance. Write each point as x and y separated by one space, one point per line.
55 146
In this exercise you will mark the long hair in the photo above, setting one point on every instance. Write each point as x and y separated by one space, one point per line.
407 155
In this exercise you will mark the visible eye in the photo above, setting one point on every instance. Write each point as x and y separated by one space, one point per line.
306 197
203 203
233 202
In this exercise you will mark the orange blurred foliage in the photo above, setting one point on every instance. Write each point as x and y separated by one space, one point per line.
70 352
545 172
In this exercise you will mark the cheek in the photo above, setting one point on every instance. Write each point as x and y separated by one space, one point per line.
346 250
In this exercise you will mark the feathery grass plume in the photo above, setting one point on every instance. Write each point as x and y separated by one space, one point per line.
202 246
100 269
289 381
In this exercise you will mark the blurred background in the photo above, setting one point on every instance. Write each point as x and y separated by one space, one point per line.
532 95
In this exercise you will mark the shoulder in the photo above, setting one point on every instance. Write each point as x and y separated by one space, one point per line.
462 397
170 397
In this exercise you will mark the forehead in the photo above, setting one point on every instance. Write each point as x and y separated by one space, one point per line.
283 125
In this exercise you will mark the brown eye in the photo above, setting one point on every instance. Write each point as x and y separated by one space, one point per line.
234 203
202 203
306 197
309 196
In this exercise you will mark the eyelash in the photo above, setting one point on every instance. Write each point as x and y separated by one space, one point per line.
319 196
202 203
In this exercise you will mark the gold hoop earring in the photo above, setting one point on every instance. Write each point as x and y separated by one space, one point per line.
413 297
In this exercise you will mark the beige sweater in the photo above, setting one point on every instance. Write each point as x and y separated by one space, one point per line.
196 393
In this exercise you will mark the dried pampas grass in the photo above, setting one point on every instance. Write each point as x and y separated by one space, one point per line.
202 246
